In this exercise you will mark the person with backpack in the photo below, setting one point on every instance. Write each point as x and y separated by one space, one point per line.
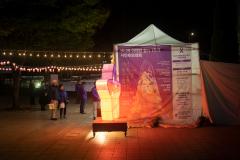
62 96
53 96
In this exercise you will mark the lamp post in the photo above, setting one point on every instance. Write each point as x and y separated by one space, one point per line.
190 36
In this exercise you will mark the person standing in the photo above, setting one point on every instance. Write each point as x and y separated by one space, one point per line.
47 86
32 92
53 95
96 101
43 97
78 85
83 97
62 95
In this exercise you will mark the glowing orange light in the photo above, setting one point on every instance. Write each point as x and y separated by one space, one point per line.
109 92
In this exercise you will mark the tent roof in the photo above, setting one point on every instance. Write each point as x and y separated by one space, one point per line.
151 36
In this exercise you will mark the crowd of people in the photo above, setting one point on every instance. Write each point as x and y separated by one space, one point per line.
56 95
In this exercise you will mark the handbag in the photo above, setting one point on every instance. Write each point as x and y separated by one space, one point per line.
51 106
66 101
62 105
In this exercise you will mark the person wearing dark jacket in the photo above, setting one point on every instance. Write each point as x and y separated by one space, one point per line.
32 92
62 95
47 86
83 97
96 102
43 97
78 85
53 95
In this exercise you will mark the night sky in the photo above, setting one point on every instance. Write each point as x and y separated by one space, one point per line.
177 19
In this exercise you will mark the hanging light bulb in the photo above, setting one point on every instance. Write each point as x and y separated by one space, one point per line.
58 55
45 55
90 56
10 53
52 55
84 56
4 53
38 54
65 55
99 55
8 62
71 56
24 54
30 54
19 54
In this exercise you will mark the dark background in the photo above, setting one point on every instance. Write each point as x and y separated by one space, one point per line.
177 19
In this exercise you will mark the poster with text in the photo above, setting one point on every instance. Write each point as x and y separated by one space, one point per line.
156 82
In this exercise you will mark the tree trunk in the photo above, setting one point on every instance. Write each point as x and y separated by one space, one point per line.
16 74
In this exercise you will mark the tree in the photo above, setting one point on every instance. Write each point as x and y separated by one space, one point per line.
224 45
47 25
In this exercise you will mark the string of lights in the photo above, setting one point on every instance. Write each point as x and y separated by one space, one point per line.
52 54
97 67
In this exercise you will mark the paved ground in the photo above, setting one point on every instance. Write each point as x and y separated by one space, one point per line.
32 135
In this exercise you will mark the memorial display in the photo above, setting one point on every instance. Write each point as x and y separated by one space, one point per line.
109 90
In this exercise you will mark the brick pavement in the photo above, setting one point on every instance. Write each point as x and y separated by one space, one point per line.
32 135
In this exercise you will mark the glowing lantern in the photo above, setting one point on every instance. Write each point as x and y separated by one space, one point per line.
8 62
4 63
109 91
33 70
1 63
6 69
12 64
50 70
58 70
3 69
10 69
0 69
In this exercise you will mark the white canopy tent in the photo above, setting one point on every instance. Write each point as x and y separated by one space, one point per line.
180 56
